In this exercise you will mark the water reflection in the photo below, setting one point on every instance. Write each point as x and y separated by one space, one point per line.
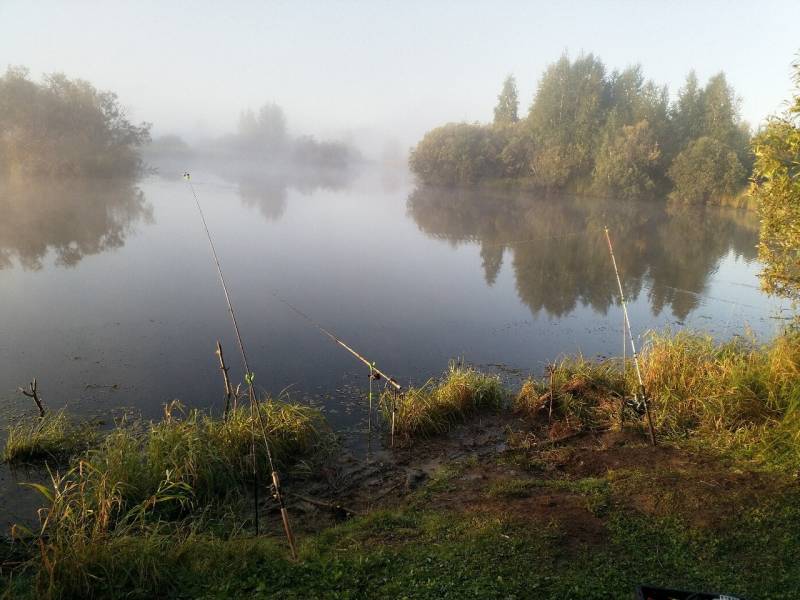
259 185
72 218
559 256
268 191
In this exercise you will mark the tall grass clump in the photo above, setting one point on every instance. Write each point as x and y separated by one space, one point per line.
154 481
211 457
737 394
586 394
53 438
439 404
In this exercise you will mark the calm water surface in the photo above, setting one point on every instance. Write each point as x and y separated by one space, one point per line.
111 300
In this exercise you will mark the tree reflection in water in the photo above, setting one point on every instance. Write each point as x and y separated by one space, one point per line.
71 217
559 255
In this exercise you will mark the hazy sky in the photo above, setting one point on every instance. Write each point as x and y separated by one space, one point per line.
384 68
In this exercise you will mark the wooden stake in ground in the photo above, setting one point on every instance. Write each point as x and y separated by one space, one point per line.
33 392
229 396
551 369
624 373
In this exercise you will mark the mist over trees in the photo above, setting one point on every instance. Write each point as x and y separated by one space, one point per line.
65 127
592 131
261 138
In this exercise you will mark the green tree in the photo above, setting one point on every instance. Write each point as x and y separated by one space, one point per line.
688 115
721 119
706 171
625 163
776 187
568 110
505 113
65 127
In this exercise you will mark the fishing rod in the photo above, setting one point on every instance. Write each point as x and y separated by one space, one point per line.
249 378
627 325
374 372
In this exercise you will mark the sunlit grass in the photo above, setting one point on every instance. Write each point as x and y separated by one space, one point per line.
586 394
439 404
54 438
737 395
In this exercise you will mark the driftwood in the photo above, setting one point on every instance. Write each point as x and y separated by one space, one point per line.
33 392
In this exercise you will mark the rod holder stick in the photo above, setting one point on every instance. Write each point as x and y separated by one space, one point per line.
624 372
226 380
394 412
287 528
552 371
369 409
633 343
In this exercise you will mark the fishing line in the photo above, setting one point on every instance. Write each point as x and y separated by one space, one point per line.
249 378
699 295
642 391
527 241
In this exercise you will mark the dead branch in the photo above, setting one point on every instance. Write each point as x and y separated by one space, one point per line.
33 392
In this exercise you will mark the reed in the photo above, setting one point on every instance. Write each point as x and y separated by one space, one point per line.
439 404
53 438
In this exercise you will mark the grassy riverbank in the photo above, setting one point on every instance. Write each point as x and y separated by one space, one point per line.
487 495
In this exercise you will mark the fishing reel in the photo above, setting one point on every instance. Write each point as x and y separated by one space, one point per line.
275 488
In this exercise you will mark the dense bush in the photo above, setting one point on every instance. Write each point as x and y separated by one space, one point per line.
457 153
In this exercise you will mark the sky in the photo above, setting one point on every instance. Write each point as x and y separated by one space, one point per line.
378 71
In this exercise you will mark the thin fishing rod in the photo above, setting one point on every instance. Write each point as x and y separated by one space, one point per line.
391 380
249 378
627 324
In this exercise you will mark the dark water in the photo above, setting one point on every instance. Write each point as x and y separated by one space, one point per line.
111 299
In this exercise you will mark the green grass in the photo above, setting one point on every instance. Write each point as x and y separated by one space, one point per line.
54 438
738 396
439 404
437 554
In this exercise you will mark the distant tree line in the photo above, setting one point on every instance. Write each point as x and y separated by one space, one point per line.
65 127
609 134
264 135
261 137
